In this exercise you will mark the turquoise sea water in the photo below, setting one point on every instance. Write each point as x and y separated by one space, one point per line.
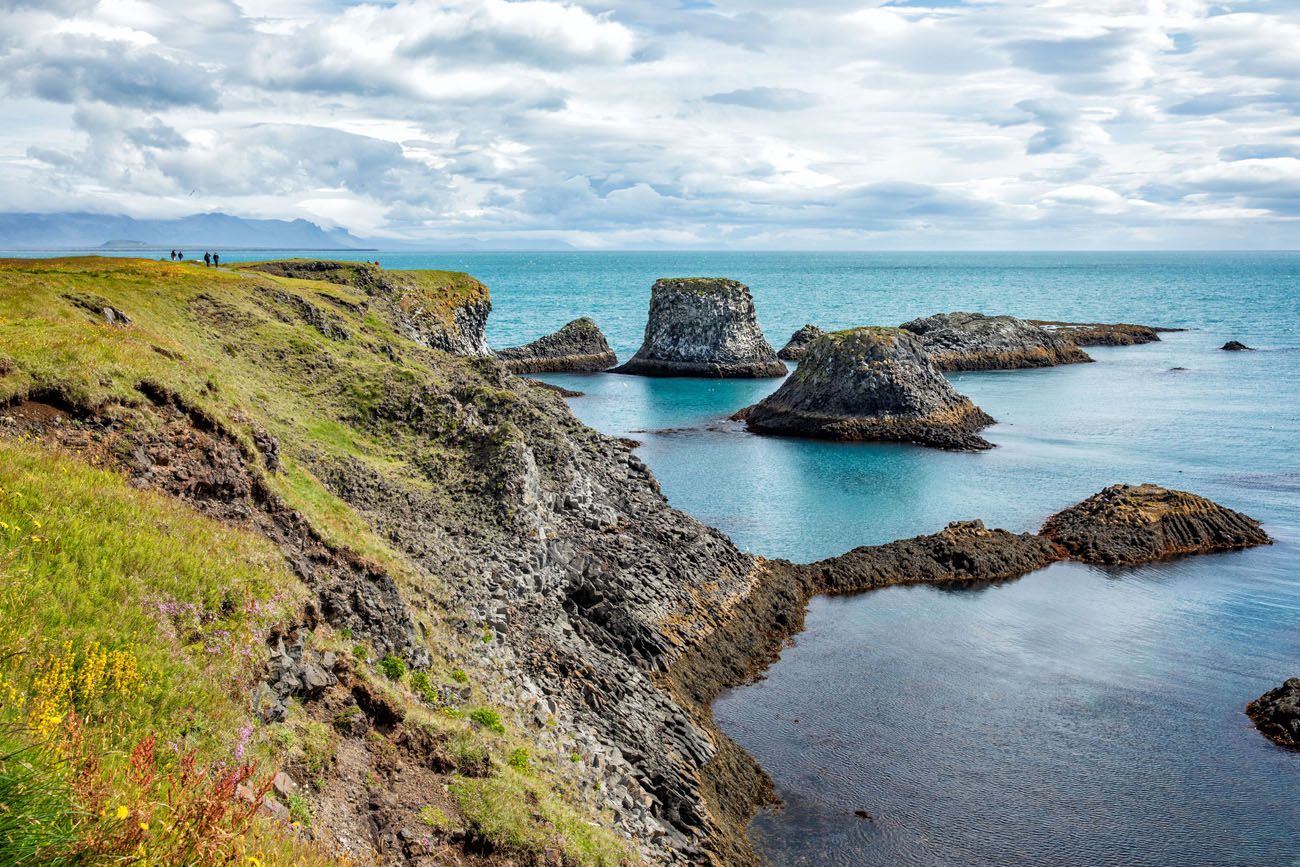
1076 716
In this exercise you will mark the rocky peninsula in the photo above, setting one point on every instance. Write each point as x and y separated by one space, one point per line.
1130 524
1276 714
974 341
797 346
703 326
1102 333
578 347
870 384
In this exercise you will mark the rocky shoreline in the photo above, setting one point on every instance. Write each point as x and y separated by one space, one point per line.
579 347
1276 714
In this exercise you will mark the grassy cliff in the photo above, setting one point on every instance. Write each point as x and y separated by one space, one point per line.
167 437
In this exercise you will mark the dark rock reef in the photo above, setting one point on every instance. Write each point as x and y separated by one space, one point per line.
1276 714
973 341
797 346
1102 333
1236 346
870 384
703 326
1129 524
578 347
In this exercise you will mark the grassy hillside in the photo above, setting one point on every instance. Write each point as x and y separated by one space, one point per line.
134 625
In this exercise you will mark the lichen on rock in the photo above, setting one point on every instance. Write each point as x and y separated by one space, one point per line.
1129 524
974 341
578 347
797 346
703 326
870 384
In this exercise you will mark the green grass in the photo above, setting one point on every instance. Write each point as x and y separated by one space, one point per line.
37 810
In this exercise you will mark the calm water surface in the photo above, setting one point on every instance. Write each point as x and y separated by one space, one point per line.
1076 716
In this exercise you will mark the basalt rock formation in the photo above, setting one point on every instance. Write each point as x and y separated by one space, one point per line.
1236 346
703 326
797 346
973 341
1129 524
443 310
1101 333
870 384
578 347
1276 714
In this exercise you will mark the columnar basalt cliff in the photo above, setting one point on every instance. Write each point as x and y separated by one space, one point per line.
1276 714
973 341
578 347
1103 333
797 346
703 326
462 522
870 384
1127 524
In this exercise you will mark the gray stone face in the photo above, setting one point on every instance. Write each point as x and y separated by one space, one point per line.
870 384
578 347
703 326
973 341
797 346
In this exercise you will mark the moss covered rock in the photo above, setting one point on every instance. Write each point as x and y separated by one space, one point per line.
870 384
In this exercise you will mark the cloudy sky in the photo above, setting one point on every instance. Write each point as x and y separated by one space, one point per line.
1008 124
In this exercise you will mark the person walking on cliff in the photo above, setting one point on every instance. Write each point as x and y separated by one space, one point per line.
173 255
207 259
216 260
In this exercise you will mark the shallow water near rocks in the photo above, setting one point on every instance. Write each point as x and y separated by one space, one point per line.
1076 716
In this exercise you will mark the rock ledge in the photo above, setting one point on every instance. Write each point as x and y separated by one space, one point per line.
578 347
1276 714
973 341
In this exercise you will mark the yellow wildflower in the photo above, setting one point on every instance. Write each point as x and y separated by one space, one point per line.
122 812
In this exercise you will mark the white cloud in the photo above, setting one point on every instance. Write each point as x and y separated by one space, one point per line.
607 122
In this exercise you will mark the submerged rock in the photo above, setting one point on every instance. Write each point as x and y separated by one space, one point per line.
1276 714
797 346
703 326
578 347
1102 333
973 341
870 384
1127 524
1236 346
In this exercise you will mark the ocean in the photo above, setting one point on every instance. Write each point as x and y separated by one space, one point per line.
1076 716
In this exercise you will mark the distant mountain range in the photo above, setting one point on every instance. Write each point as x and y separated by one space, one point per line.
198 231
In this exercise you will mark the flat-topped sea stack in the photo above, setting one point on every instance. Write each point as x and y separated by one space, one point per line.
973 341
578 347
445 310
1128 524
797 346
1276 714
1103 333
870 384
703 326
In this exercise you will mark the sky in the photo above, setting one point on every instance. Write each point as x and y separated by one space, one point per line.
647 124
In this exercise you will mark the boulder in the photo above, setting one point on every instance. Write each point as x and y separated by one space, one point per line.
870 384
973 341
1102 333
578 347
797 346
703 326
1236 346
1276 714
1127 524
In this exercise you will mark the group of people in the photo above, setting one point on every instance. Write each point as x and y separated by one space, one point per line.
211 260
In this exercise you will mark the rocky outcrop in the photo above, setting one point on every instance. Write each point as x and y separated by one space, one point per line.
1236 346
973 341
870 384
1128 524
797 346
703 326
1101 333
1276 714
578 347
443 310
